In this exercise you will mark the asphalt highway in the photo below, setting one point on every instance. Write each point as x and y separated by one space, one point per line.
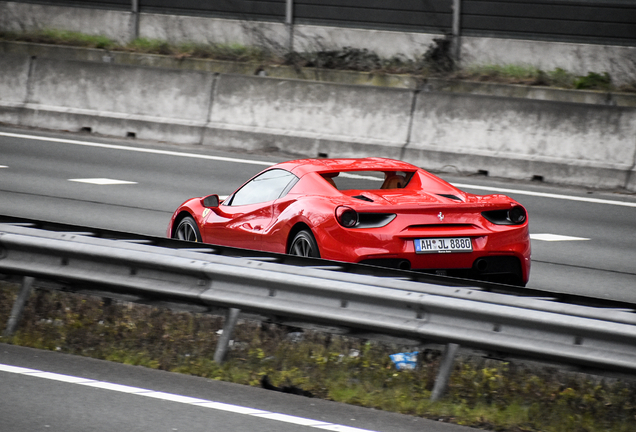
53 392
584 241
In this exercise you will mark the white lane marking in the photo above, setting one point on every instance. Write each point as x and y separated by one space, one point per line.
174 397
59 377
16 369
114 387
546 195
253 162
555 237
292 419
102 181
3 166
337 428
231 408
171 397
136 149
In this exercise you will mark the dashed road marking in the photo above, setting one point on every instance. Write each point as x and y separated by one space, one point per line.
102 181
171 397
555 237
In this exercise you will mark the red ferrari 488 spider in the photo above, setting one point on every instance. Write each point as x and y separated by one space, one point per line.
375 211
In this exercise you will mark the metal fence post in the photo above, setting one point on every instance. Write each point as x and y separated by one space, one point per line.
134 20
457 12
445 369
224 340
18 306
289 23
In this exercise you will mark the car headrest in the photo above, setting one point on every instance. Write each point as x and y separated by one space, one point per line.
395 181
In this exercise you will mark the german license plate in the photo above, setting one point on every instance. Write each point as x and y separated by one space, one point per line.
443 245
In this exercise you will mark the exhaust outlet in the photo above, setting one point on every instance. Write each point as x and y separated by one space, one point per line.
481 265
404 265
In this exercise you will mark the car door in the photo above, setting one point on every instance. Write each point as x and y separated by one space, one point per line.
242 220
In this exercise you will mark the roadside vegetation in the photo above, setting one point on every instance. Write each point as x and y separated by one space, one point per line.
436 62
487 394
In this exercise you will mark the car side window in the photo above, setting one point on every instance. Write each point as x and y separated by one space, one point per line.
268 186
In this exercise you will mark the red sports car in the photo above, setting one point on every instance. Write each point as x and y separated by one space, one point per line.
375 211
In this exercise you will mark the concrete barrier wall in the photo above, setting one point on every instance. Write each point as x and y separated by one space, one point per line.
117 99
317 116
174 94
581 144
559 141
14 78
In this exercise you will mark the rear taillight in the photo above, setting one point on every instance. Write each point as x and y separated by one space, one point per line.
513 216
346 216
517 215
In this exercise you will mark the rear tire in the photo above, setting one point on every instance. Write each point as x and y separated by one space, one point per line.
187 230
304 244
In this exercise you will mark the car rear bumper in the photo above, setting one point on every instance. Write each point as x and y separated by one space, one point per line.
502 256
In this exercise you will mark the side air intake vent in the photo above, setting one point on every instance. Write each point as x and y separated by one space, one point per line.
374 220
450 196
363 198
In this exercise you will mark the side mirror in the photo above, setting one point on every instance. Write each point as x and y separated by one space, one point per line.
210 201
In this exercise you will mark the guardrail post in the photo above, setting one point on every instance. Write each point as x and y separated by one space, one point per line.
457 13
445 369
289 23
134 20
224 340
18 306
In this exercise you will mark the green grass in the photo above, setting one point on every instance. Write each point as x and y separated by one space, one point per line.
232 52
482 393
151 46
518 74
229 52
59 37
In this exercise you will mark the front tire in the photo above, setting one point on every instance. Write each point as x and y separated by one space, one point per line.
304 244
187 230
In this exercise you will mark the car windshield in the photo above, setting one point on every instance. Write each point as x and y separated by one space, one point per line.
268 186
368 180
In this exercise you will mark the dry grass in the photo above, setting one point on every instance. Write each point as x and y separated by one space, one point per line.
483 393
435 62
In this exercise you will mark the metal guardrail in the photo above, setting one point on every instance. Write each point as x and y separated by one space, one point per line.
352 303
341 267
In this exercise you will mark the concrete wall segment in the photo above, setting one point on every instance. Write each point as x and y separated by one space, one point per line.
293 145
631 181
556 172
110 124
530 129
14 75
562 142
311 109
122 89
